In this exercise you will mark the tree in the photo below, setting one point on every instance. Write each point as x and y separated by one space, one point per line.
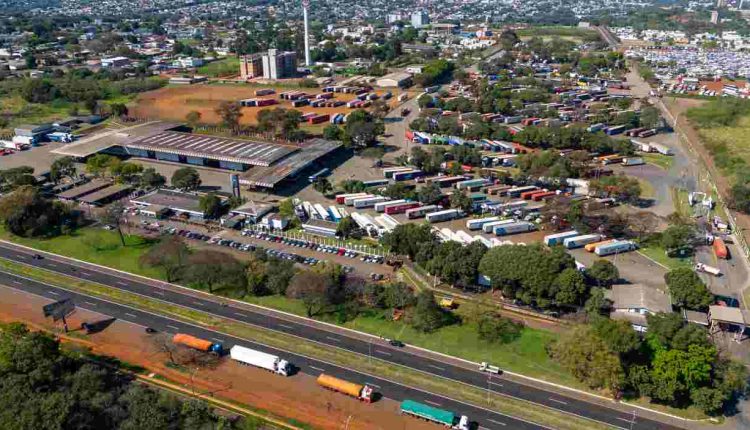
405 239
15 177
230 113
460 200
589 359
597 303
430 194
150 178
118 109
256 277
496 329
186 178
621 187
215 270
99 164
397 295
571 287
687 289
675 373
193 118
279 274
170 254
617 334
346 228
25 212
113 215
211 205
323 186
649 117
677 237
62 167
312 288
603 272
428 316
332 132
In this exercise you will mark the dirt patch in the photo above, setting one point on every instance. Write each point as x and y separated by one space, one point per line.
297 397
174 103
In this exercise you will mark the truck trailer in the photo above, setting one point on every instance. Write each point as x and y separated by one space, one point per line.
380 207
705 268
514 228
490 226
197 343
445 215
614 247
476 224
582 240
436 415
558 238
260 359
360 392
401 207
421 211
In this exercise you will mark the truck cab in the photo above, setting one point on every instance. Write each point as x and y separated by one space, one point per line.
283 367
216 348
367 393
463 423
486 367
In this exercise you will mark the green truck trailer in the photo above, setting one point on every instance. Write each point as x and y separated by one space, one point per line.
436 415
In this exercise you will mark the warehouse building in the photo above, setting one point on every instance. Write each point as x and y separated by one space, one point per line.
163 202
258 163
395 80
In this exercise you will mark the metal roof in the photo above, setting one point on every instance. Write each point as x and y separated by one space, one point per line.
214 147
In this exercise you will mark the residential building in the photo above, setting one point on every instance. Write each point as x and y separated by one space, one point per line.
115 62
277 65
251 66
419 19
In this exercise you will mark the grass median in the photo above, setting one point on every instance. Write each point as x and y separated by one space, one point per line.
459 391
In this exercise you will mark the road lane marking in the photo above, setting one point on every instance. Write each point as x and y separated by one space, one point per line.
627 420
159 292
197 303
90 304
130 315
240 314
121 283
558 401
16 282
51 264
333 339
23 257
496 422
316 368
382 352
53 293
218 340
84 273
171 326
286 326
373 385
495 383
436 367
433 403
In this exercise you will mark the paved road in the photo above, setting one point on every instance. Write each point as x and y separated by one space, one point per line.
485 418
378 349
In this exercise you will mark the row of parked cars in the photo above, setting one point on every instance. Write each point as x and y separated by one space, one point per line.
314 246
249 247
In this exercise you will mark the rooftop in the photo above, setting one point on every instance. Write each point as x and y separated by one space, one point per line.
640 297
104 193
289 166
95 143
726 314
82 190
175 200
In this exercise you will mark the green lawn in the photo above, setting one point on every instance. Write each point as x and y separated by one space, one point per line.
224 67
663 161
657 254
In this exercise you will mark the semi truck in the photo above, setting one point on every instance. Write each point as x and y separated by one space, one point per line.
197 343
558 238
614 247
582 240
705 268
360 392
401 207
592 246
445 215
14 145
514 228
349 201
260 359
486 367
436 415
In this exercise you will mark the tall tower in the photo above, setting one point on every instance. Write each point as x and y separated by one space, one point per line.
305 6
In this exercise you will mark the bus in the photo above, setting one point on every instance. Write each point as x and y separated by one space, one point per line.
323 172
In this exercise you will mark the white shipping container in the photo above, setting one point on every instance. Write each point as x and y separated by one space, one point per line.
615 247
579 241
476 224
350 200
369 202
557 238
443 215
490 227
260 359
518 227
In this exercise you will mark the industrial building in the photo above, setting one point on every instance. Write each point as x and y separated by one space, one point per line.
161 203
395 80
258 163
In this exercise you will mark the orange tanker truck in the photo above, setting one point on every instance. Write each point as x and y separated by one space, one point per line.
361 392
197 343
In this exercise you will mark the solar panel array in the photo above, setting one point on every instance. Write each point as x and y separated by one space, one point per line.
214 147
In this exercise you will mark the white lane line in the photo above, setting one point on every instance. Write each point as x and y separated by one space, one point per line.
496 422
558 401
495 383
53 293
286 326
316 368
90 304
218 340
197 303
173 327
159 292
333 339
433 403
51 264
131 315
23 257
382 352
436 367
121 283
240 314
627 420
84 273
372 385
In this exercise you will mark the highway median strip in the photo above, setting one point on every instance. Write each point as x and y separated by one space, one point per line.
536 413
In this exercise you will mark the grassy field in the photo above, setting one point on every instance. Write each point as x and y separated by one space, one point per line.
227 67
374 366
729 145
658 160
647 189
18 111
658 254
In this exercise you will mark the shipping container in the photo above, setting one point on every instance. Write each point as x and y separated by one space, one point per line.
197 343
582 240
419 212
321 212
496 189
444 215
361 392
662 149
380 207
720 249
401 208
478 197
447 181
349 201
340 197
514 228
407 175
592 246
632 161
516 191
477 223
369 202
265 92
490 226
389 171
614 247
558 238
436 415
375 183
463 185
526 195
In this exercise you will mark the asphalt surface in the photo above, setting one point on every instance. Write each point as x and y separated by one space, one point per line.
378 349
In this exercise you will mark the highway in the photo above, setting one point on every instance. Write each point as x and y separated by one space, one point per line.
298 327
